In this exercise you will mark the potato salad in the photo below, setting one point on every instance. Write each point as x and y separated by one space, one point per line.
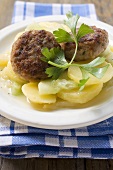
52 62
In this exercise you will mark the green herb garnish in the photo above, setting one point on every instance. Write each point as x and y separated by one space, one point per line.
56 57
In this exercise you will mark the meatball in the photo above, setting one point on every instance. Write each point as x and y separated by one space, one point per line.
89 46
26 54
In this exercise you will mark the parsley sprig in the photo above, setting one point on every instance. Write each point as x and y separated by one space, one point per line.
56 57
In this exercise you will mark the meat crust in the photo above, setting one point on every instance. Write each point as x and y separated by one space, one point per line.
26 54
89 47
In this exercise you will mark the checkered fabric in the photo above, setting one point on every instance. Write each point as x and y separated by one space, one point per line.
20 141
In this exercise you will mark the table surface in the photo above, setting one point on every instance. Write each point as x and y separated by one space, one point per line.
104 9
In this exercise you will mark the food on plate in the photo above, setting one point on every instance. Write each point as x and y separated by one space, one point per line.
30 90
89 46
26 54
4 58
75 74
83 96
8 73
52 63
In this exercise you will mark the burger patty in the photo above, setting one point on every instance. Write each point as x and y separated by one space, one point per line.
26 54
89 46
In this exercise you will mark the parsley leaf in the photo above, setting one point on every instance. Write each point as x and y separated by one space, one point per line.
60 59
96 62
85 78
82 83
90 68
72 22
97 72
69 15
83 30
54 72
48 54
62 36
54 56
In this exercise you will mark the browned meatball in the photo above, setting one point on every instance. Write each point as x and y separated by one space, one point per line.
89 47
26 54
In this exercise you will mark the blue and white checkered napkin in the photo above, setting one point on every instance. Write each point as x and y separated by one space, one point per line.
19 141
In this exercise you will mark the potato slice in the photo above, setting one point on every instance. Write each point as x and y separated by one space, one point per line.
111 48
48 87
75 74
54 86
8 73
76 96
48 26
30 90
109 54
4 59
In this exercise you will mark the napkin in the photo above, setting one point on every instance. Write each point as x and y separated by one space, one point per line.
20 141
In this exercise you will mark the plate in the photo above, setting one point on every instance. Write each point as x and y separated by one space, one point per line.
17 109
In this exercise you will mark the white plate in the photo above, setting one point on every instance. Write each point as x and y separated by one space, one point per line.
17 109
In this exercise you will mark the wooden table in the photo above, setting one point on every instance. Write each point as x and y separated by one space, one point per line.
104 9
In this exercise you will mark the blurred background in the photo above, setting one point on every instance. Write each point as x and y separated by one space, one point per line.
104 9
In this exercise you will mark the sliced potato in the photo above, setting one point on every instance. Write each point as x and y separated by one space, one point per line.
30 90
109 54
16 89
48 87
3 73
48 26
54 86
76 96
8 73
111 48
75 74
4 59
